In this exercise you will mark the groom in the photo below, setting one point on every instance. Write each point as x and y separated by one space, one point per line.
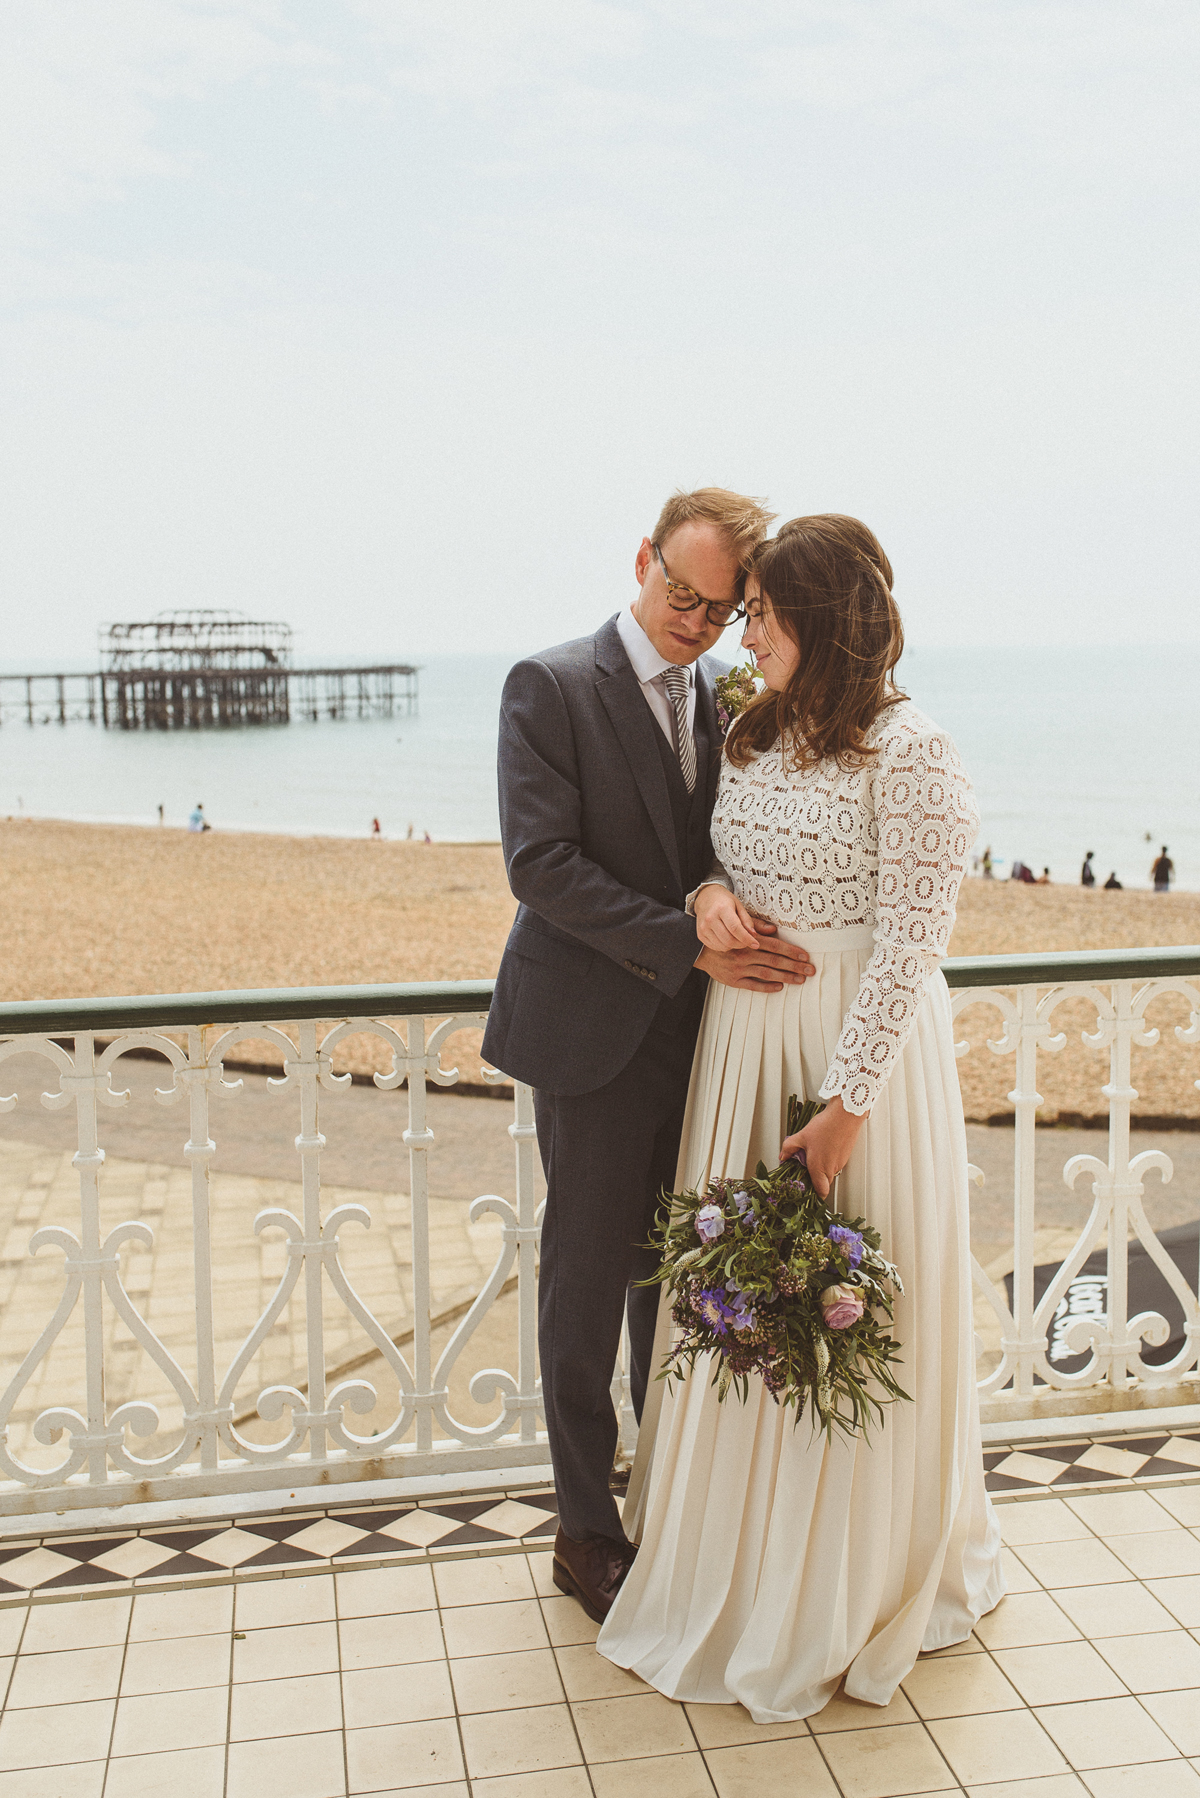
608 762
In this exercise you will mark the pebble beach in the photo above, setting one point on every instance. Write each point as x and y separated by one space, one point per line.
96 909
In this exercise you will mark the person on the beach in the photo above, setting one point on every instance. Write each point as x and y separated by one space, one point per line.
608 760
774 1565
1162 872
197 821
1087 876
1112 884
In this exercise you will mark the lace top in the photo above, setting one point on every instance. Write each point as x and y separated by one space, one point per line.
884 844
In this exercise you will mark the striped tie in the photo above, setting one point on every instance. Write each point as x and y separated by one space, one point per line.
677 683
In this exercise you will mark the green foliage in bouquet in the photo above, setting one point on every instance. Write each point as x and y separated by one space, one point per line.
770 1281
734 691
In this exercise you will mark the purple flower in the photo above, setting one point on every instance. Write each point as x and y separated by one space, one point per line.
743 1313
744 1203
723 718
712 1302
841 1306
848 1241
710 1223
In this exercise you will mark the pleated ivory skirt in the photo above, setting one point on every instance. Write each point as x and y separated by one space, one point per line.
773 1565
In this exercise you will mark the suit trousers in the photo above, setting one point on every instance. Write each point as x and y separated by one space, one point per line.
608 1156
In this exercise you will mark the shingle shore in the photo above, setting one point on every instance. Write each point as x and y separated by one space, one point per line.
108 909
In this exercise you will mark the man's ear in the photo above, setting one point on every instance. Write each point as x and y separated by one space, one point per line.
641 565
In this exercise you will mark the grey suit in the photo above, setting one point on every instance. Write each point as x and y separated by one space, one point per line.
597 1006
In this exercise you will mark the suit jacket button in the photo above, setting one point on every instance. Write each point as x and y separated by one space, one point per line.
652 974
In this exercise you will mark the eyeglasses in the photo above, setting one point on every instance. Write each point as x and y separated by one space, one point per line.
686 599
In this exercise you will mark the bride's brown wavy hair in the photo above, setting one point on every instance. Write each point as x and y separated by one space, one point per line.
830 588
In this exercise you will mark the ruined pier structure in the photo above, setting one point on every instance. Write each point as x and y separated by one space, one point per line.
195 669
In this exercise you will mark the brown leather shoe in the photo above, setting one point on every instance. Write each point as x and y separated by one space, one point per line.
591 1571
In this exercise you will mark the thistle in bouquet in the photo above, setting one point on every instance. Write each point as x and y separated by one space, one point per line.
768 1279
734 691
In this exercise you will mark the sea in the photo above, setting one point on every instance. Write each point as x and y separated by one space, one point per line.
1070 749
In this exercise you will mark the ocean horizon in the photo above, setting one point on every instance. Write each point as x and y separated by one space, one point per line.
1069 749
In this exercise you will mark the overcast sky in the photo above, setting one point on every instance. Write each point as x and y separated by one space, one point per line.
400 320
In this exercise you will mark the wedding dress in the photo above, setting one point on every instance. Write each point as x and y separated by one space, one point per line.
774 1565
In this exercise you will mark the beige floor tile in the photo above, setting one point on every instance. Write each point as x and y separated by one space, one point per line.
310 1766
1158 1554
1179 1714
586 1674
92 1623
194 1719
179 1773
265 1604
540 1566
1025 1620
175 1664
666 1776
411 1694
878 1763
1166 1779
519 1741
559 1782
765 1769
55 1734
963 1685
276 1707
1122 1610
848 1713
199 1611
567 1623
1183 1502
283 1653
972 1645
1060 1673
76 1674
1054 1785
457 1788
374 1591
1155 1663
85 1779
1086 1562
614 1729
12 1625
495 1682
1017 1575
404 1754
1119 1513
392 1640
488 1580
494 1628
1007 1745
1038 1520
1105 1733
732 1726
1181 1597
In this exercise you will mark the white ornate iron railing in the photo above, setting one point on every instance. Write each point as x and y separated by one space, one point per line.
1025 1382
84 1042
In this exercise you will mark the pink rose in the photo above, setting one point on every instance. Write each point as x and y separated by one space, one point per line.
841 1306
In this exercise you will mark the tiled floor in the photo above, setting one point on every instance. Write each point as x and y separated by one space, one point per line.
473 1676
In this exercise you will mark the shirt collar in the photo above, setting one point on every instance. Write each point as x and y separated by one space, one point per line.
646 661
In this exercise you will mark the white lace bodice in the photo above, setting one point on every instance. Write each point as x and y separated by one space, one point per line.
884 844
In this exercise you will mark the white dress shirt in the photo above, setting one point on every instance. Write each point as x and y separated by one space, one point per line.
648 665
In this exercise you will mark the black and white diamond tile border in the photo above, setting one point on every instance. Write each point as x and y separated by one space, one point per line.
151 1558
1107 1462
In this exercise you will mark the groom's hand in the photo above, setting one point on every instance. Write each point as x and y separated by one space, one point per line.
767 968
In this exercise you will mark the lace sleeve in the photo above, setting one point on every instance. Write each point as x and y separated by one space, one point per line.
926 821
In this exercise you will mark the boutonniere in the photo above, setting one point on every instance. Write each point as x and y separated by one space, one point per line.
734 692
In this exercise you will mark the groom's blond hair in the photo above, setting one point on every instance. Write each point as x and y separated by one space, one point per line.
742 521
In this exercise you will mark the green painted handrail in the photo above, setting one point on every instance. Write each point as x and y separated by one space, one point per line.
262 1005
176 1011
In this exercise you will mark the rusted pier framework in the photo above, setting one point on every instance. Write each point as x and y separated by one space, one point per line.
192 670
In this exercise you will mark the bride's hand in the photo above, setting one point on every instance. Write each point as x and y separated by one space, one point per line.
722 922
827 1143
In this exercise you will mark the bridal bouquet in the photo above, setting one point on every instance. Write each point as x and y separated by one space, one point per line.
734 691
770 1281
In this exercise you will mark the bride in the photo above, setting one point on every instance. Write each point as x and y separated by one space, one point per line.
774 1565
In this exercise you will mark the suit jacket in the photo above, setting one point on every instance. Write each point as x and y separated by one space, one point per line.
600 935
